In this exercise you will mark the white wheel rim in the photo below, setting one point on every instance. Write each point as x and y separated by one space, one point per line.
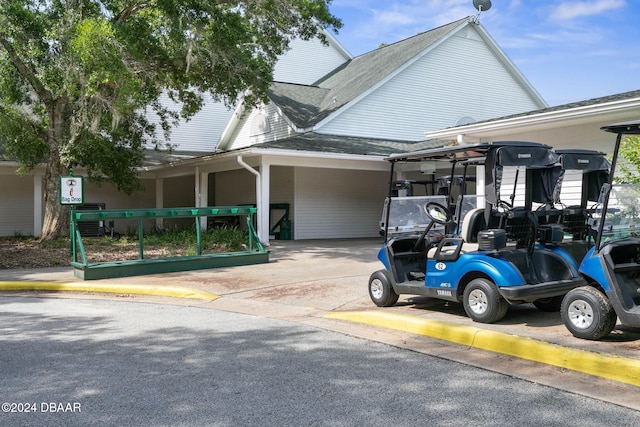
376 288
581 314
478 301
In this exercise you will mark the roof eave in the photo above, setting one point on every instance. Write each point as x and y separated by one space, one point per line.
562 117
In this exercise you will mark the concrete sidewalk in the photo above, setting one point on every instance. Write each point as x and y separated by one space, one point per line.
325 283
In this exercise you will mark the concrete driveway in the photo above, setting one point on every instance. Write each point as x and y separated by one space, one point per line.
324 283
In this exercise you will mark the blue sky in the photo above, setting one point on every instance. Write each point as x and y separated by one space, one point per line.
569 50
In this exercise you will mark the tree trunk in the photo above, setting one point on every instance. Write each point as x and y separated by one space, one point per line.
56 216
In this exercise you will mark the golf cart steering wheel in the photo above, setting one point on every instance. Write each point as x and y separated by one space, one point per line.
503 206
438 213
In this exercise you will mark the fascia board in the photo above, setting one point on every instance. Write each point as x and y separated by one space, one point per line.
334 41
226 137
279 157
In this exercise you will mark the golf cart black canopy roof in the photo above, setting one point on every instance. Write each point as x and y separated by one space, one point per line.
585 160
463 151
624 128
496 155
595 172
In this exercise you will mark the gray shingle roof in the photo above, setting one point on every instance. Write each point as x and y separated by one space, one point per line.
315 142
307 105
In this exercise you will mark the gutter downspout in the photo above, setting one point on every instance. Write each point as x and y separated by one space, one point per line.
262 230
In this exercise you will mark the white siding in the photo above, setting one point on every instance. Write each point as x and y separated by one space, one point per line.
332 203
201 133
109 195
304 63
460 77
279 128
571 188
308 61
16 210
16 205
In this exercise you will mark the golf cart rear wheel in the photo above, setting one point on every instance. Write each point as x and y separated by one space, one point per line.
549 305
587 313
381 290
482 301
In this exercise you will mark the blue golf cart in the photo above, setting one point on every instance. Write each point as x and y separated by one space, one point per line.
611 267
485 251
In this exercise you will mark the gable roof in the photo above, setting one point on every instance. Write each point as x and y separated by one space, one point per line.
305 106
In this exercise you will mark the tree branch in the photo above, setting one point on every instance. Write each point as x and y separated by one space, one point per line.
45 96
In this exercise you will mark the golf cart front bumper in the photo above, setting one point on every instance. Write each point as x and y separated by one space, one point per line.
530 293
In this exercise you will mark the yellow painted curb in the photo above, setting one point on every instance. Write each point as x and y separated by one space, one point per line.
609 366
162 291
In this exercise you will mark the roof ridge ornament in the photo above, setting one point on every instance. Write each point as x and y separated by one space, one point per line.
481 6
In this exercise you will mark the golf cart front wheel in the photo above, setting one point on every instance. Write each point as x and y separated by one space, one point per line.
381 290
587 313
482 301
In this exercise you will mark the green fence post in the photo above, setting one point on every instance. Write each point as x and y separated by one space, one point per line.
140 239
198 235
83 253
72 236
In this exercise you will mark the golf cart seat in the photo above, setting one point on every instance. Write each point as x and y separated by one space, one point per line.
575 221
451 248
472 223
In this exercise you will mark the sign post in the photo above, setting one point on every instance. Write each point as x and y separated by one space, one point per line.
71 190
71 193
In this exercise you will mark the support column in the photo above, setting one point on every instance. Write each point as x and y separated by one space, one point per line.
204 197
159 200
263 209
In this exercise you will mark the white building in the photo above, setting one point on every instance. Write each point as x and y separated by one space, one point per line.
319 145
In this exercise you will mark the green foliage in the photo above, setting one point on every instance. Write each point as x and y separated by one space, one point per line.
78 78
628 163
229 239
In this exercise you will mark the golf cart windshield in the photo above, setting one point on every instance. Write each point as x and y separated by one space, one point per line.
407 215
623 213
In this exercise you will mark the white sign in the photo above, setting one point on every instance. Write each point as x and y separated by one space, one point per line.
71 190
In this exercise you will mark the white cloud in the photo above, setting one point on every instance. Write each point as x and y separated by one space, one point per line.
573 9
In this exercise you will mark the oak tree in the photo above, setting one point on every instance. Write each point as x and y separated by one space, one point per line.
79 78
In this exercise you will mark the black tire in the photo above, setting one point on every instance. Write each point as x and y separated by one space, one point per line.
482 301
549 305
587 313
381 289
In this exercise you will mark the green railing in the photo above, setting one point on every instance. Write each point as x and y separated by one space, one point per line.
180 263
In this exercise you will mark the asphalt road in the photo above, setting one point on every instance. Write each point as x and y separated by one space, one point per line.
78 362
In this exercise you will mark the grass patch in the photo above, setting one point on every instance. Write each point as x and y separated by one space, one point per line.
29 252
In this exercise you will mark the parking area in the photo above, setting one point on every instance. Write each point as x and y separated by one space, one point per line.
307 280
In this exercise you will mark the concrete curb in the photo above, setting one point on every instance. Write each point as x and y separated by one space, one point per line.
160 291
612 367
